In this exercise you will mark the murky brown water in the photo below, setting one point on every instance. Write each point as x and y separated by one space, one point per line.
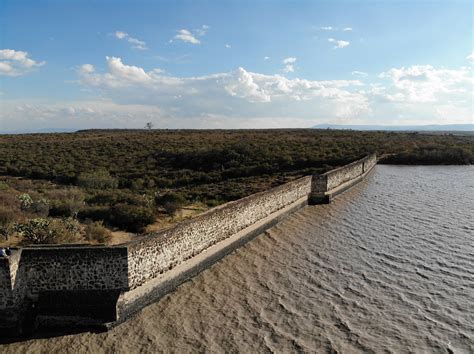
389 266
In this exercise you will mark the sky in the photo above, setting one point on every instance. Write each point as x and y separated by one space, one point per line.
74 64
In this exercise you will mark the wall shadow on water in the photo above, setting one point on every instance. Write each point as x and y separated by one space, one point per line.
46 333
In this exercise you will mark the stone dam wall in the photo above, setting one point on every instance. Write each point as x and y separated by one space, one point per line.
330 184
82 285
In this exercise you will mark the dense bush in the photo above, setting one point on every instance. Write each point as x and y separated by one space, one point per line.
99 179
130 217
95 213
66 202
171 202
432 156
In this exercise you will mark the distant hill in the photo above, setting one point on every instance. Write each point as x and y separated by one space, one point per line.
432 127
38 131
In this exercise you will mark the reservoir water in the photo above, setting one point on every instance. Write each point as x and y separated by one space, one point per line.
387 267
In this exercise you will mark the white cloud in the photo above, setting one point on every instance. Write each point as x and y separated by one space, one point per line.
266 58
338 43
347 29
188 36
470 57
136 43
75 114
236 93
132 95
327 28
424 83
87 68
289 64
202 31
359 73
228 46
16 63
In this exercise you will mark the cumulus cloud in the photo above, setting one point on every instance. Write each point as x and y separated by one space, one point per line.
470 57
16 63
132 95
289 64
86 68
235 93
327 28
136 43
228 46
338 43
347 29
424 83
266 58
188 36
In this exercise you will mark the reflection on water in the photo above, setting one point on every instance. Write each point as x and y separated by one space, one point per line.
388 266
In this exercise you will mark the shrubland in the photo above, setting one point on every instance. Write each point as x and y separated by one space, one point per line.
102 180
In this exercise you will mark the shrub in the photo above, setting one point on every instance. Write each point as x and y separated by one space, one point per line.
96 213
7 216
48 231
36 231
130 217
171 202
100 179
66 203
39 207
95 231
65 230
26 201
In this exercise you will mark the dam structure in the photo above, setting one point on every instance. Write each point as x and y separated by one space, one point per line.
84 285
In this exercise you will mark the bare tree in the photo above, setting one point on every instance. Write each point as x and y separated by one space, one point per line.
149 125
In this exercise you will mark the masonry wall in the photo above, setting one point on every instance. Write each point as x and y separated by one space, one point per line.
10 296
87 281
73 268
162 251
333 179
6 295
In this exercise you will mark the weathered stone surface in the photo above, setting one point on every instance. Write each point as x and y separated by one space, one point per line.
331 183
162 251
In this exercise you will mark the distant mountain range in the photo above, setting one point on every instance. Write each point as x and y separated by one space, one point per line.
431 127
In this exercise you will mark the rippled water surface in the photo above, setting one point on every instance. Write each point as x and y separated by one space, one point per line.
389 266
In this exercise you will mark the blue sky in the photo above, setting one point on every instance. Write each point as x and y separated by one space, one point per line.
234 64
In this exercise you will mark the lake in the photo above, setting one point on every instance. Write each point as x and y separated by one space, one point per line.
388 266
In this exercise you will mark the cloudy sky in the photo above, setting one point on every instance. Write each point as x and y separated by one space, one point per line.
234 64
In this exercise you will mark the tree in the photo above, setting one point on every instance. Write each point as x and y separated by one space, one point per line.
149 125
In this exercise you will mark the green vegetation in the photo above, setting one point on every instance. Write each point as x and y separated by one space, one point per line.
124 180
